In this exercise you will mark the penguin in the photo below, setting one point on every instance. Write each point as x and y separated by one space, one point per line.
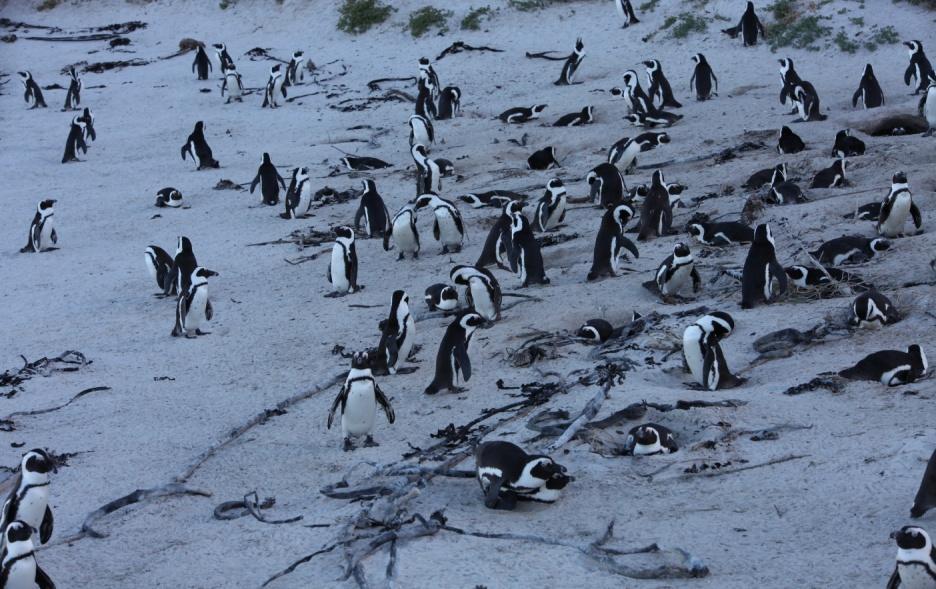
543 159
497 245
749 26
916 560
626 11
274 87
576 119
398 333
698 337
784 192
364 164
607 186
507 474
449 103
358 400
872 310
675 190
927 108
75 141
33 94
526 257
789 142
847 145
658 86
703 79
762 278
234 85
159 264
866 212
421 131
789 79
482 291
637 99
19 568
28 500
656 213
649 439
721 234
452 358
169 197
551 208
73 96
425 103
890 367
896 207
224 58
595 331
610 242
919 68
42 235
805 276
343 268
294 71
299 196
441 297
87 117
653 118
926 495
373 210
677 269
849 249
831 177
624 152
183 265
446 167
571 65
193 308
428 75
806 100
403 232
522 114
765 176
491 198
269 179
869 90
428 174
199 150
201 63
715 372
447 226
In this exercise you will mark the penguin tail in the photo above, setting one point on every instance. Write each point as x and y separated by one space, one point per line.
853 373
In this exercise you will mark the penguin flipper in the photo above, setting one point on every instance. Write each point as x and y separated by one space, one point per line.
922 104
358 215
464 362
181 310
492 496
914 212
42 579
384 403
253 185
45 528
696 280
54 235
386 241
209 310
894 581
908 75
926 496
630 246
339 400
435 229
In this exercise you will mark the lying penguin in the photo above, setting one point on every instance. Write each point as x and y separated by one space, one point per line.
507 474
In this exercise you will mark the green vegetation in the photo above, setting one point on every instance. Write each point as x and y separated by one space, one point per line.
683 25
844 43
792 29
426 18
931 4
649 6
886 36
784 10
528 5
857 21
358 16
472 21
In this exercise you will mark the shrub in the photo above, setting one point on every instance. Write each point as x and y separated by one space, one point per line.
472 21
686 24
428 17
649 6
844 43
358 16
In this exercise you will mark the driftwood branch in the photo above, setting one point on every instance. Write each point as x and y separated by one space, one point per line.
718 473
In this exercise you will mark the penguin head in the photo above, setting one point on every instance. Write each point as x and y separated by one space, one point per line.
423 62
786 64
630 78
646 435
750 6
681 253
471 199
399 298
469 321
657 179
368 185
637 119
419 150
265 159
616 91
513 206
555 187
18 531
588 113
36 465
78 121
696 230
879 244
641 190
698 58
538 108
517 223
721 324
25 75
662 138
275 70
914 46
918 358
779 175
199 127
797 274
184 244
446 167
900 178
360 360
545 468
301 173
589 333
839 165
219 46
579 45
911 538
623 213
344 232
201 275
425 200
868 71
297 54
762 234
44 208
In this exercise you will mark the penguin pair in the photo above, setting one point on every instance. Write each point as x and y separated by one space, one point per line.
748 27
343 267
398 333
764 176
42 236
19 567
178 277
196 146
721 234
919 69
897 207
497 246
703 81
233 84
916 560
452 357
270 181
788 81
169 198
890 367
782 191
522 114
491 198
543 159
275 87
606 185
847 145
649 439
449 103
850 249
299 195
831 177
805 277
33 93
635 97
610 242
762 277
551 208
806 100
224 58
28 501
193 307
873 310
358 400
525 255
75 140
624 152
421 131
703 354
447 225
507 474
676 271
373 211
658 87
403 232
73 96
482 291
585 116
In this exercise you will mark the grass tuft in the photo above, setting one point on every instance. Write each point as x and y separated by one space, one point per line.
358 16
426 18
472 21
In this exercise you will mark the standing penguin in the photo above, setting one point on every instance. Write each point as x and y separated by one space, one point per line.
358 400
201 63
233 84
762 278
869 91
299 196
749 26
28 500
343 269
610 242
919 68
703 78
658 86
496 246
183 265
19 568
637 99
449 103
896 207
373 210
428 173
506 474
421 131
927 108
890 367
193 308
274 87
847 145
42 235
33 94
452 357
626 12
224 58
269 179
926 495
526 257
199 150
294 71
675 272
872 310
404 233
624 152
571 65
398 333
159 264
606 185
482 290
75 141
551 209
425 103
916 560
447 226
700 336
87 117
788 81
73 96
789 142
429 77
656 213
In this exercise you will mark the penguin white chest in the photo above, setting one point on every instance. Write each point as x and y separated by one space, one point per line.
448 230
339 277
45 235
419 134
482 299
615 254
305 199
195 316
693 351
22 574
194 151
360 410
233 87
678 280
915 576
403 236
406 344
929 107
893 225
32 507
648 449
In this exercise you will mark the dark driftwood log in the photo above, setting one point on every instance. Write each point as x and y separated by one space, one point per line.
138 496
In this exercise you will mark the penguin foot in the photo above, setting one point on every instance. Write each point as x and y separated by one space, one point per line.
200 332
370 443
400 257
347 446
190 336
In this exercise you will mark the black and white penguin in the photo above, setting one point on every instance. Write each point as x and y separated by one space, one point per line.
75 141
806 100
373 210
765 176
919 68
847 145
299 195
33 93
873 310
789 79
897 206
658 86
441 297
482 290
585 116
87 117
447 226
595 331
789 142
926 495
491 198
28 500
274 87
403 232
571 65
703 81
626 12
159 264
294 72
183 264
611 242
343 268
363 163
721 234
698 337
890 367
201 63
551 208
398 333
19 567
749 26
649 439
42 235
808 276
496 249
421 131
425 99
831 177
507 474
716 375
224 58
449 103
676 271
73 96
522 114
762 278
927 108
358 400
866 212
233 84
624 152
653 118
916 560
429 77
543 159
656 213
638 100
606 185
526 257
452 358
197 147
869 90
270 181
169 197
850 249
428 173
193 308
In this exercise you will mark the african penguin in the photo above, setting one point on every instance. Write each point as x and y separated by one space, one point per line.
183 264
789 142
872 310
269 179
849 249
649 439
482 291
703 81
421 131
358 399
895 209
526 257
721 234
87 117
916 560
75 141
571 65
169 197
372 210
788 80
193 307
658 86
610 242
425 101
831 177
697 338
626 11
656 213
890 367
606 185
42 235
299 196
653 118
224 58
576 119
762 278
447 225
638 100
19 567
919 68
428 173
449 103
551 208
543 159
847 145
274 87
507 474
441 297
749 26
806 276
806 100
363 164
32 94
927 108
199 150
28 500
294 71
595 331
491 198
159 264
926 495
765 176
233 84
783 192
496 249
404 233
343 268
624 152
869 90
201 62
452 358
428 75
675 272
715 372
73 96
522 114
397 333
